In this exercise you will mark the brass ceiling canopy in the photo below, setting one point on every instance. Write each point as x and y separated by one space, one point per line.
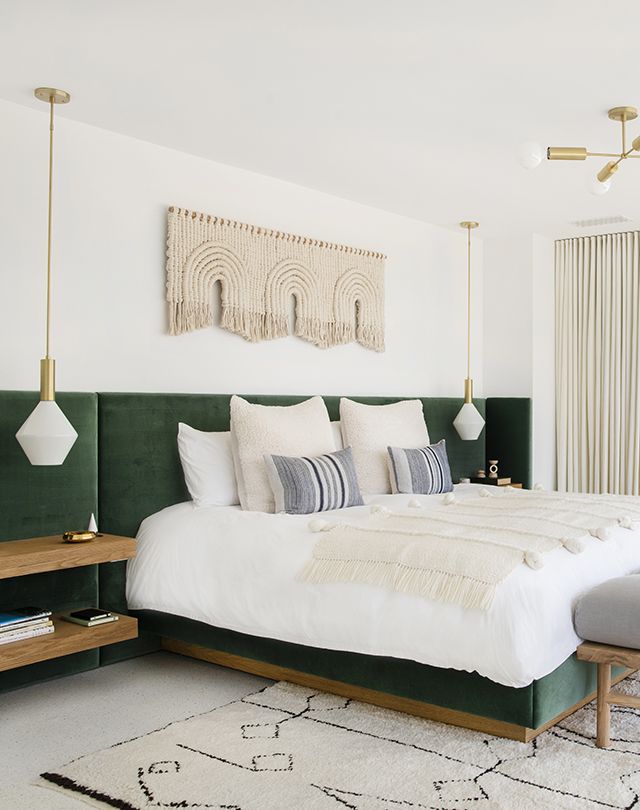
51 94
531 154
623 114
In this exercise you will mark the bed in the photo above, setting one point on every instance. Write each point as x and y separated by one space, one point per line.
239 570
514 690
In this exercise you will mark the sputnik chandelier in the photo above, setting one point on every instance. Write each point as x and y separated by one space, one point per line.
531 153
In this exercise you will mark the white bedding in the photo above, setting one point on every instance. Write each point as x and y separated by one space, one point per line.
237 570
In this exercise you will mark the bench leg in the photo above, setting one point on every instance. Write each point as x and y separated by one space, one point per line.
603 707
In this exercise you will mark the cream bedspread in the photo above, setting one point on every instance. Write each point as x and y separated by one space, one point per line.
460 551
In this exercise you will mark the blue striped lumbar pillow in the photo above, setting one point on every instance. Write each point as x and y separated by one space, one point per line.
423 471
304 485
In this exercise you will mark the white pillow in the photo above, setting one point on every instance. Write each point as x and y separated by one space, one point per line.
284 430
370 429
336 429
207 464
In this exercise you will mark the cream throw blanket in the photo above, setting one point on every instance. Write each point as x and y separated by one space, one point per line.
461 550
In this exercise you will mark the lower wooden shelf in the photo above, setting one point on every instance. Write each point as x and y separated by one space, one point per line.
67 638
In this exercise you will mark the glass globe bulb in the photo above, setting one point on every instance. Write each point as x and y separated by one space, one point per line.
530 155
598 188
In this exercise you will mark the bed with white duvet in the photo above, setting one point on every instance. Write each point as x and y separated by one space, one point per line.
239 570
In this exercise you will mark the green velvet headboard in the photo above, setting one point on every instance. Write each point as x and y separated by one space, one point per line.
136 470
45 500
139 470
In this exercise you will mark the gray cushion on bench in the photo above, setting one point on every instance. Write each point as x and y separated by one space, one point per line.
610 613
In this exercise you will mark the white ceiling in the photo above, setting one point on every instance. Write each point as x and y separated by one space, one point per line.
414 106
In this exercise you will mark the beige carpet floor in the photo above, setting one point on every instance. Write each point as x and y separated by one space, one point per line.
45 725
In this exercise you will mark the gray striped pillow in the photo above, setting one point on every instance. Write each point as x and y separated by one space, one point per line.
304 485
423 471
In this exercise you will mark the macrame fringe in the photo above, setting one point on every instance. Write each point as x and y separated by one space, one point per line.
255 326
185 317
438 585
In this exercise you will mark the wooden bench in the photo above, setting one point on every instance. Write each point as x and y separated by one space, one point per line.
606 656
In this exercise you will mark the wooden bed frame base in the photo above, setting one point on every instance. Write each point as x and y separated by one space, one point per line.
475 722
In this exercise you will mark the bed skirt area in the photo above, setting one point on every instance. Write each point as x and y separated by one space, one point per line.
449 695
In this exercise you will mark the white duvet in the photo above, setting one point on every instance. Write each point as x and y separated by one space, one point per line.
237 570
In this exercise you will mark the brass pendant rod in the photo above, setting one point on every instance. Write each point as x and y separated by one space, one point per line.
469 302
50 205
624 133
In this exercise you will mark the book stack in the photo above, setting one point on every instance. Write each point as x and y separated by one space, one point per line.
23 623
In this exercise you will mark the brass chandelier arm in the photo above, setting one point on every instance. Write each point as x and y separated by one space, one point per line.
626 154
622 116
557 155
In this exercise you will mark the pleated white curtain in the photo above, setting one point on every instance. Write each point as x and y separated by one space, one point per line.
598 363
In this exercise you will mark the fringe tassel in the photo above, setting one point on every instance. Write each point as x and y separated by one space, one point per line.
185 317
438 585
254 326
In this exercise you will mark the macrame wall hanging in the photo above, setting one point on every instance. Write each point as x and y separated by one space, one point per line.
338 290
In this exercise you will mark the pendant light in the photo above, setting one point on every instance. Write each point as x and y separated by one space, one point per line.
468 422
47 435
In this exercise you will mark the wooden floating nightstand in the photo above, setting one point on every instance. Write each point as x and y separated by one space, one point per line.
22 557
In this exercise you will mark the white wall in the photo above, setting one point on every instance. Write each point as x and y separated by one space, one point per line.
519 339
543 368
111 195
507 316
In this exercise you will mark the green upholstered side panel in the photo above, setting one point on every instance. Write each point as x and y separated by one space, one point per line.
45 500
139 467
565 686
529 706
509 426
453 689
36 501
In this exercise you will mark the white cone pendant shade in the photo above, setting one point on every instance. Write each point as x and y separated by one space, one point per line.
468 422
47 435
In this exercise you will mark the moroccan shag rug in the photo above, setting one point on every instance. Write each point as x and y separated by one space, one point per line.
290 747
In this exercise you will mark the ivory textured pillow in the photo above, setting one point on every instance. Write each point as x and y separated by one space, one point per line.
370 429
287 430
